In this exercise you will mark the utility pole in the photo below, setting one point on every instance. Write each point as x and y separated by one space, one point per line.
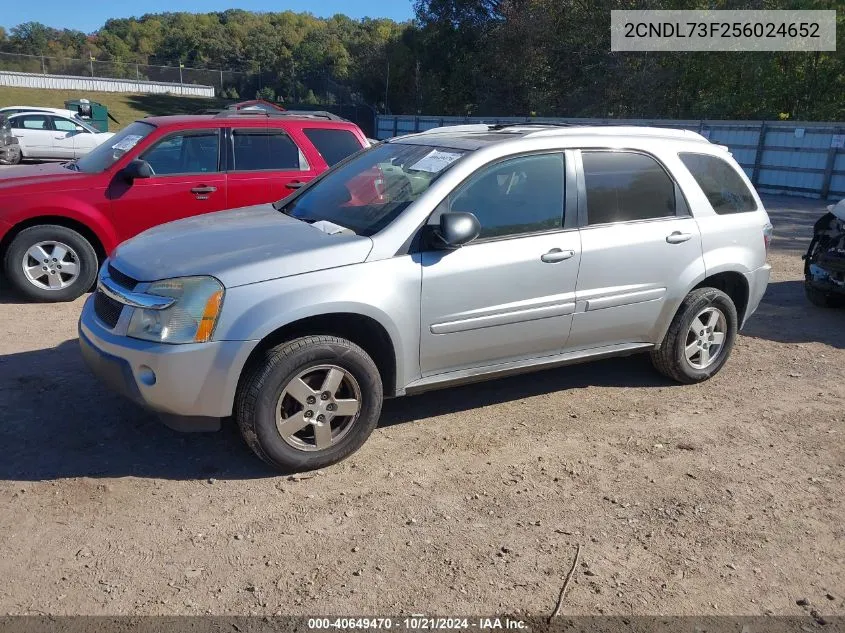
417 85
386 86
91 62
181 87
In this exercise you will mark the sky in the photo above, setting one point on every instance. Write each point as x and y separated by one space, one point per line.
89 16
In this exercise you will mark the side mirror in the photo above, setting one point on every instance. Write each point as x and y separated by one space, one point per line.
137 169
457 229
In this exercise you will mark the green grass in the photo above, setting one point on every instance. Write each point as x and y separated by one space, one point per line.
122 106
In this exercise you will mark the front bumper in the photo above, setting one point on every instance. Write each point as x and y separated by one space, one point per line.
192 385
757 280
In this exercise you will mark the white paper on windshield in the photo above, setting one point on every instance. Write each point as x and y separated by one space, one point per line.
435 161
127 142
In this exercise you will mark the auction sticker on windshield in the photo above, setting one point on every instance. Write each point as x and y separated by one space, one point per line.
435 161
127 143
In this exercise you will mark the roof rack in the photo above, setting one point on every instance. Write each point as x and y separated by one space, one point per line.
286 114
502 126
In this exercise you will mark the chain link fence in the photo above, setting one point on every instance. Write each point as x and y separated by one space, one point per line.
227 83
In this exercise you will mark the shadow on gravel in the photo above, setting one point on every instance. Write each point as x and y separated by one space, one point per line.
631 371
57 421
786 316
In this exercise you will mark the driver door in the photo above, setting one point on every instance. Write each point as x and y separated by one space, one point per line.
64 137
510 294
187 181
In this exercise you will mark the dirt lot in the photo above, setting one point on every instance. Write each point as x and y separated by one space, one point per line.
722 498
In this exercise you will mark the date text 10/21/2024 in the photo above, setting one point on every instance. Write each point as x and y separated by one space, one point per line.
418 623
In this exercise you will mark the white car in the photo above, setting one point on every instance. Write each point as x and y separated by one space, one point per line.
54 136
10 110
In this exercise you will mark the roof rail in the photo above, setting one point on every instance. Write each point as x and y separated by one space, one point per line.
504 126
286 114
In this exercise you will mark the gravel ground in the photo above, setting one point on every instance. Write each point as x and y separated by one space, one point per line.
720 498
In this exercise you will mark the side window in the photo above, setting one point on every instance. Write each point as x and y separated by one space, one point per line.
625 186
255 149
185 153
333 145
31 122
63 125
519 195
723 187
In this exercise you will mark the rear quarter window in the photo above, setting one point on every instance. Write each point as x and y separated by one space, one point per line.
333 145
724 188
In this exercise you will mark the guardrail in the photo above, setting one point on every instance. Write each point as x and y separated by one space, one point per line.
795 158
101 84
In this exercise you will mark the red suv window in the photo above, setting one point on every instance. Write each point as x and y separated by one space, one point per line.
333 145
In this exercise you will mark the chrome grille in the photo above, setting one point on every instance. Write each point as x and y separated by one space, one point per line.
107 309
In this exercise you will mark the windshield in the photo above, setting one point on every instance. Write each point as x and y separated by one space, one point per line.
368 192
106 154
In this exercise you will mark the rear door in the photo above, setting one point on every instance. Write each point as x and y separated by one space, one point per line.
188 180
264 165
641 249
34 133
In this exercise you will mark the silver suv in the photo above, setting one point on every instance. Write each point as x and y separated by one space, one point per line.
450 256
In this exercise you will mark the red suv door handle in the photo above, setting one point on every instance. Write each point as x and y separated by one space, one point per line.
294 184
203 190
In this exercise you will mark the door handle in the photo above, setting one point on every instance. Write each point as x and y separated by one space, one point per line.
203 190
677 237
295 184
556 255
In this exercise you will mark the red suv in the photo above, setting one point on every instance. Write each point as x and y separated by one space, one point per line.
57 221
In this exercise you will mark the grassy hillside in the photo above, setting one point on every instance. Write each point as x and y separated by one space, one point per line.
123 107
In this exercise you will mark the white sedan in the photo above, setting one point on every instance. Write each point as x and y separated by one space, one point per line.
53 136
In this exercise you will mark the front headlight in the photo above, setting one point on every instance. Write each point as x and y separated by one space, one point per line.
191 319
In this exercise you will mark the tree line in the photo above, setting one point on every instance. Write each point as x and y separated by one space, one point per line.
471 57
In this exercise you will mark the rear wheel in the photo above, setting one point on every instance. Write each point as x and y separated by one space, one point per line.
309 403
700 337
51 263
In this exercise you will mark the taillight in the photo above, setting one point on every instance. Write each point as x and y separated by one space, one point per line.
767 238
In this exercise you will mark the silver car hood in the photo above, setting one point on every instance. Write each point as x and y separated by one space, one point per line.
240 246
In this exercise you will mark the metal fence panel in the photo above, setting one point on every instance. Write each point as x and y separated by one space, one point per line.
101 84
801 158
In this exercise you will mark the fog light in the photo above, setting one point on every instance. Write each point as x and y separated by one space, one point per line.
146 375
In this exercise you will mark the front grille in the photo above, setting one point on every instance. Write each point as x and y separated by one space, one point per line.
119 278
107 309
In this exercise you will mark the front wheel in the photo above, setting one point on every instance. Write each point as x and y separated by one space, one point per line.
309 402
51 263
700 337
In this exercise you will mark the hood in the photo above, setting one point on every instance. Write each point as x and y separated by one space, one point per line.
50 173
238 247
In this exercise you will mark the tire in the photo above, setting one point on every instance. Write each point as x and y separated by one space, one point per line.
266 389
671 358
45 239
821 299
11 161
